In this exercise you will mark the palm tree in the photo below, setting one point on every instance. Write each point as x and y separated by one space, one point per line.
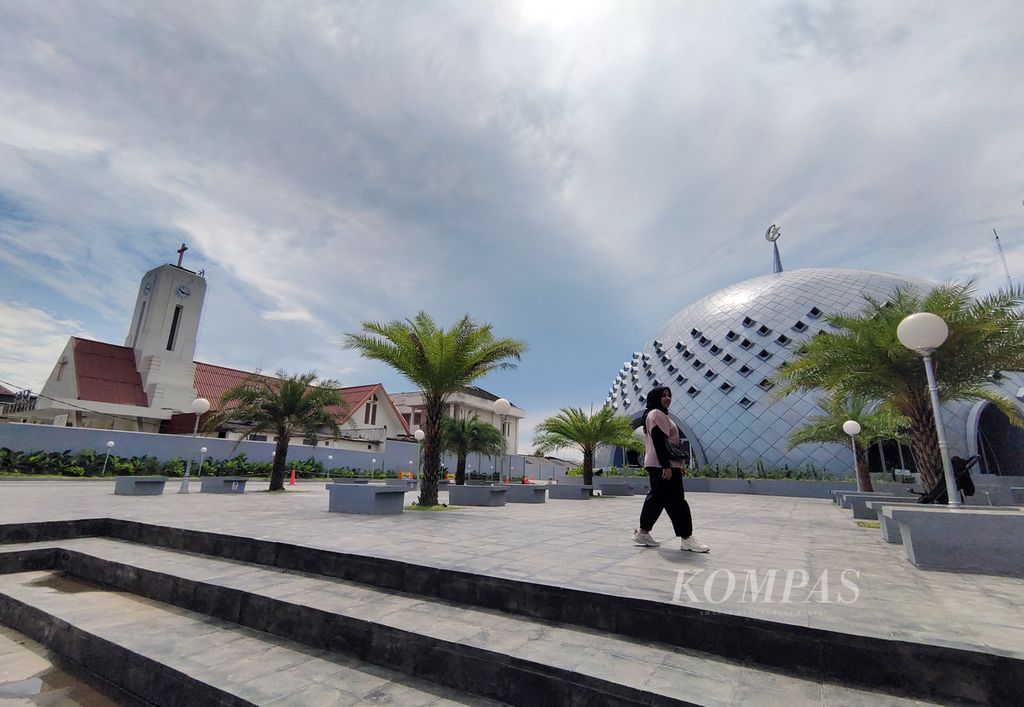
461 437
864 357
876 425
440 363
288 406
572 427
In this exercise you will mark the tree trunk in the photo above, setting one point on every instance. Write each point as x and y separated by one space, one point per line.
588 467
460 470
280 460
925 443
431 452
863 477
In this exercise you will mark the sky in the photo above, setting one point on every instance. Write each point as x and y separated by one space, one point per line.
572 172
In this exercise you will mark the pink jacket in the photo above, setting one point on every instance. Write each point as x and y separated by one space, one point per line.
656 418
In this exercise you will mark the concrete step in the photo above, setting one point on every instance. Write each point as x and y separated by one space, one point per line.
170 656
492 654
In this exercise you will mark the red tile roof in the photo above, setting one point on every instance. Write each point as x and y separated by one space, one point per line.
5 391
107 373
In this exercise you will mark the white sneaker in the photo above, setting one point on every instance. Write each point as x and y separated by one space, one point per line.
645 539
693 545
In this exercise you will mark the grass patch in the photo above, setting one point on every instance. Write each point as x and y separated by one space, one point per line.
442 507
869 524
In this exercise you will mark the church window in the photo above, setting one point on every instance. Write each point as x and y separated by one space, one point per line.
370 414
138 324
175 321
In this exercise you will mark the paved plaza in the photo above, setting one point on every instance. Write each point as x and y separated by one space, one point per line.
586 545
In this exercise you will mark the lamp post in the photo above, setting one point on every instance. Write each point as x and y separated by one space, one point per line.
330 458
202 451
503 407
852 428
373 467
200 406
419 435
924 332
110 445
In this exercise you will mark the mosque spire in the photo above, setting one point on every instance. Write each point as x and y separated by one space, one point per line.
772 235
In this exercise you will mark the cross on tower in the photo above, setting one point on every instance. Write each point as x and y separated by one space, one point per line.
181 253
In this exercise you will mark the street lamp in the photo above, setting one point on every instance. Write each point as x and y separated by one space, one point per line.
852 428
924 332
200 406
503 407
202 450
110 445
373 467
419 435
330 458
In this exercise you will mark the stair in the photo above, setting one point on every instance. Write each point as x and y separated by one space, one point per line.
179 628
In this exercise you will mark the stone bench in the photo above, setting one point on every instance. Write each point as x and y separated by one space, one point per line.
613 487
963 540
570 492
139 485
365 498
846 497
1017 494
476 495
407 484
861 511
890 526
349 480
525 493
223 484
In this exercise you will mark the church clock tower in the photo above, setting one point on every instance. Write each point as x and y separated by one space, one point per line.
163 333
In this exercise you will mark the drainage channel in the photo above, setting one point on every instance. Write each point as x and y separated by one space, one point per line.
30 674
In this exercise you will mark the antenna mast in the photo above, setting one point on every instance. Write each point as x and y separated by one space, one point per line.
1009 280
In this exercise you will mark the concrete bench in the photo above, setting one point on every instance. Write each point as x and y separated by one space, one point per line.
846 497
639 484
139 485
223 484
891 528
963 540
349 480
570 492
613 487
476 495
859 504
1017 494
365 498
407 484
525 493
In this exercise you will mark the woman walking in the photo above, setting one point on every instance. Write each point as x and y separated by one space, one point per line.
665 467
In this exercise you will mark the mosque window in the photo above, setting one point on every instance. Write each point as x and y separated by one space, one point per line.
800 326
698 364
703 341
695 332
726 387
656 382
715 350
680 346
687 354
783 339
658 344
672 368
646 357
650 373
746 344
748 322
664 359
745 370
681 378
636 387
728 358
731 336
814 313
636 354
766 384
693 391
746 402
763 330
710 374
764 354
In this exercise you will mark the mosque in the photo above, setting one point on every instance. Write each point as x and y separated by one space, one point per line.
719 354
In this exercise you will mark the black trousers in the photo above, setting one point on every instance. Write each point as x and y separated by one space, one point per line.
667 495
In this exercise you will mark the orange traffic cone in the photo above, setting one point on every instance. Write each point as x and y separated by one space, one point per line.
292 481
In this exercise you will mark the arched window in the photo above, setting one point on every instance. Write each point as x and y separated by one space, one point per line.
370 413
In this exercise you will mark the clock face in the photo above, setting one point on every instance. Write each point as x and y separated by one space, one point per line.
147 288
182 292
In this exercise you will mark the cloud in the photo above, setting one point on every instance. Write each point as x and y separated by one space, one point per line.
31 344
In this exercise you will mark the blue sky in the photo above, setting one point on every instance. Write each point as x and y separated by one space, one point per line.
572 172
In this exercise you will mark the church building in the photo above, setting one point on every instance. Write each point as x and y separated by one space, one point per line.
148 384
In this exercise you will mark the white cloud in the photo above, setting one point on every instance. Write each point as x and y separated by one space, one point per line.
31 343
